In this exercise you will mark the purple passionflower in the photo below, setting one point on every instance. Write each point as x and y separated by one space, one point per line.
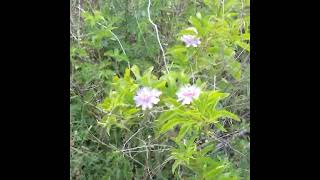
190 40
187 93
147 97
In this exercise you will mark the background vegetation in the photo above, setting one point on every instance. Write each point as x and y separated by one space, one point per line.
114 38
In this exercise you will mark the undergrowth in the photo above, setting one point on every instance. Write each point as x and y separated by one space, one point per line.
197 123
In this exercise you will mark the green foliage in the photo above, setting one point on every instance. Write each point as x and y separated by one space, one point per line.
120 111
220 39
197 117
116 55
114 52
188 155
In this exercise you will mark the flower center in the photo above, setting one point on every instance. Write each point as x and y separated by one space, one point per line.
189 94
145 97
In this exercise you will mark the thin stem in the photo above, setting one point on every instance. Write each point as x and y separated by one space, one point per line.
158 38
124 145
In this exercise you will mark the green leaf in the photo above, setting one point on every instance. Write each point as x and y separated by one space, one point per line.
122 126
243 45
88 18
234 68
216 114
166 116
106 105
108 130
208 148
108 121
148 71
246 36
227 114
129 113
147 77
171 82
182 77
127 74
82 52
220 127
182 132
212 173
198 15
229 52
177 49
159 84
116 55
102 34
175 165
171 124
136 71
199 83
214 97
211 4
171 101
186 32
98 15
196 23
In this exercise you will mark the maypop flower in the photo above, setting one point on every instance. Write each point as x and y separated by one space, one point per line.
190 40
146 97
187 93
